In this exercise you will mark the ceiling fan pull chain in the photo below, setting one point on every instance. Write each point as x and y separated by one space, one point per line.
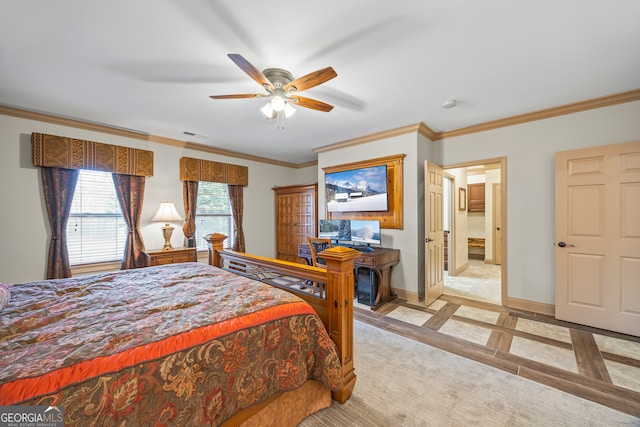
280 120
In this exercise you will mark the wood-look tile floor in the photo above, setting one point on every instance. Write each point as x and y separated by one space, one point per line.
597 365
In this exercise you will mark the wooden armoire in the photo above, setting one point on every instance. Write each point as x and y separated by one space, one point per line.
296 218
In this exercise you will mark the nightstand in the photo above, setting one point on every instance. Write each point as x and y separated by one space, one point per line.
172 256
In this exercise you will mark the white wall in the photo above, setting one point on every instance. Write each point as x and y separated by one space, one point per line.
24 218
529 149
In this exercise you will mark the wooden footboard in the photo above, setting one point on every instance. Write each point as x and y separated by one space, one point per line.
328 290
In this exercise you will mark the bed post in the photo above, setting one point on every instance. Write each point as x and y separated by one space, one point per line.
340 288
214 243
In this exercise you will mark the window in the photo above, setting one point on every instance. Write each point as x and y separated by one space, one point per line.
96 230
213 213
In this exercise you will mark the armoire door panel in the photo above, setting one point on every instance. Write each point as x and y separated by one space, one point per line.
296 218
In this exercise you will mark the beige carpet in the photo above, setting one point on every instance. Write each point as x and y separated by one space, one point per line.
406 383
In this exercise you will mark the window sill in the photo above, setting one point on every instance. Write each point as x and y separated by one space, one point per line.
98 267
101 267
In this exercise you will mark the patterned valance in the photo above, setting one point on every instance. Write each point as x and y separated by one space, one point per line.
69 153
206 170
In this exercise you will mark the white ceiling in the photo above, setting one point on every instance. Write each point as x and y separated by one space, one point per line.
150 65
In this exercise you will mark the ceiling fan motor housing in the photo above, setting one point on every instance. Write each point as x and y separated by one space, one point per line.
278 77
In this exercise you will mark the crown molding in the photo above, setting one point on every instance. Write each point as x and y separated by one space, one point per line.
74 123
420 128
604 101
425 130
213 150
97 127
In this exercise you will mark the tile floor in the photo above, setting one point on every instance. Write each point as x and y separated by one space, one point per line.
480 282
538 347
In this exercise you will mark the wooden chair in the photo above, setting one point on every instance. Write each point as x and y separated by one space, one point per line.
318 244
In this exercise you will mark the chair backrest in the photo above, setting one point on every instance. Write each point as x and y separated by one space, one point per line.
318 244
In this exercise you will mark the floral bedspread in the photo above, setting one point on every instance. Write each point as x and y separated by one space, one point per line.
180 344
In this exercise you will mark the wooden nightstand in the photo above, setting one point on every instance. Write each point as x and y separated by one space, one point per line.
172 256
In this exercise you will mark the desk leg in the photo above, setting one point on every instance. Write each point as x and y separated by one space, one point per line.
384 293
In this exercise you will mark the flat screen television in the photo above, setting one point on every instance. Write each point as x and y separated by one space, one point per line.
335 229
357 190
365 232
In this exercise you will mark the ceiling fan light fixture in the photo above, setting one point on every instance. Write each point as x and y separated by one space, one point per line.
278 103
268 111
289 110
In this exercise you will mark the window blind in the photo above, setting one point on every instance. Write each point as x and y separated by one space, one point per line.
96 230
213 213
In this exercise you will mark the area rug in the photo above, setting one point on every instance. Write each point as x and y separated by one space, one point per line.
402 382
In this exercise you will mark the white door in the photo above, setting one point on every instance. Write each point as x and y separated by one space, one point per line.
598 237
434 231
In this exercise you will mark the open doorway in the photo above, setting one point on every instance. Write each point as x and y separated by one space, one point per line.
473 228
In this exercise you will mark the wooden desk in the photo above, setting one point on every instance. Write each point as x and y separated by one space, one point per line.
377 262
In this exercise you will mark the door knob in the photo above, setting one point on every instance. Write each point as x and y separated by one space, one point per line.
427 240
564 245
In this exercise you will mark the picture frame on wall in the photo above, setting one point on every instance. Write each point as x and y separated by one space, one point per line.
462 199
390 215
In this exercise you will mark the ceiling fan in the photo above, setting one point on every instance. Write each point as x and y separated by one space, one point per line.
282 88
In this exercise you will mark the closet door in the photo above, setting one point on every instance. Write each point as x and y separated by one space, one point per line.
598 237
296 218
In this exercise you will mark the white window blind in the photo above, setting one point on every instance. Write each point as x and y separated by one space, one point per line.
213 213
96 230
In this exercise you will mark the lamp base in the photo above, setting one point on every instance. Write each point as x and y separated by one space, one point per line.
167 231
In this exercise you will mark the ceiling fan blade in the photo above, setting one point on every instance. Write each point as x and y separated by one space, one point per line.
314 104
243 95
312 79
252 71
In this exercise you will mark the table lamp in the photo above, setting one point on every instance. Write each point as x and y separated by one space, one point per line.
167 213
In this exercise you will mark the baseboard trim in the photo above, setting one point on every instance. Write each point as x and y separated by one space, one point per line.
460 269
515 303
411 297
533 306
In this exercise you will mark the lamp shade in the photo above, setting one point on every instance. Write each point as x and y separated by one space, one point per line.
268 111
167 213
289 110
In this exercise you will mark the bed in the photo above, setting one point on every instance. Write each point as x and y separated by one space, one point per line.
182 344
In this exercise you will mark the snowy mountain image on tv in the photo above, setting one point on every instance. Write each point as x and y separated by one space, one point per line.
357 190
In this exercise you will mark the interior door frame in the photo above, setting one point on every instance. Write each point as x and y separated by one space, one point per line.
452 259
504 297
494 226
